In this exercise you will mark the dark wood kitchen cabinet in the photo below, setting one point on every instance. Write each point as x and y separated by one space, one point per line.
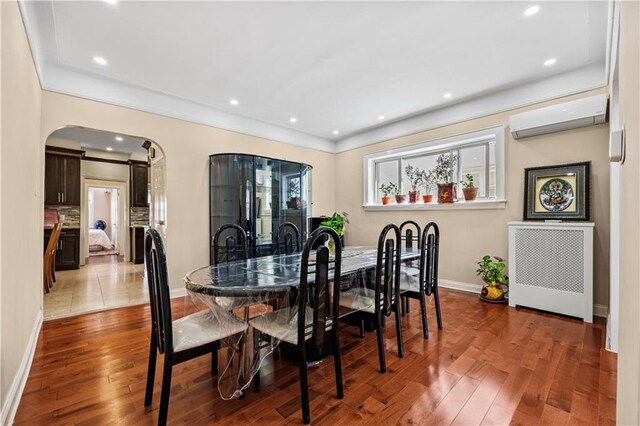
68 250
62 178
139 183
137 244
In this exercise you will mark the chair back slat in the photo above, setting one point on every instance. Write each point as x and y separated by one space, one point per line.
387 278
429 257
408 235
235 245
317 295
159 299
288 239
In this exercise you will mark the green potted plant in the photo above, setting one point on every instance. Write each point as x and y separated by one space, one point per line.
336 222
400 198
496 281
429 184
469 188
415 180
293 192
444 171
386 190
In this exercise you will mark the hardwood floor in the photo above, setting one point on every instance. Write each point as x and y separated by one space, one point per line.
490 365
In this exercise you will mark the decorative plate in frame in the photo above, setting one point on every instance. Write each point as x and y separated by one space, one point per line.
557 192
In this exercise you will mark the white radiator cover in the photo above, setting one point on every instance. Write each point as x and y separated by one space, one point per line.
551 267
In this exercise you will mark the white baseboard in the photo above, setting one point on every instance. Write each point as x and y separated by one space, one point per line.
178 292
458 285
14 394
598 309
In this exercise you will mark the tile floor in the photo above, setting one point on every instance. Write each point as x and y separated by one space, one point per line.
105 282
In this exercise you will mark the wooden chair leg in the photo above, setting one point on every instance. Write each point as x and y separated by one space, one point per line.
151 371
383 366
399 330
436 300
337 360
166 389
304 388
423 308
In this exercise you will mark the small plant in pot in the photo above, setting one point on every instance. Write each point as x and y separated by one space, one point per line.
444 171
429 184
336 222
293 192
496 282
386 190
415 180
469 188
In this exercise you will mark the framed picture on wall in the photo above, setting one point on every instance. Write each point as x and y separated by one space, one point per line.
557 192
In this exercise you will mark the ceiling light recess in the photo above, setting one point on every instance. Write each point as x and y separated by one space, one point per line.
381 117
99 60
530 11
293 120
119 138
550 61
335 132
447 95
233 102
109 148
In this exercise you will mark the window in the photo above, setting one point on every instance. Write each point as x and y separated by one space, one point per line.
479 154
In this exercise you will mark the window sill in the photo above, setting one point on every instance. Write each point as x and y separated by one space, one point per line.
460 205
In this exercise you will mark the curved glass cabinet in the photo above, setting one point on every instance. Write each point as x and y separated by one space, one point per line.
259 194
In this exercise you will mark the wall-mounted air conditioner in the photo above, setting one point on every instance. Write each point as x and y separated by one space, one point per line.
569 115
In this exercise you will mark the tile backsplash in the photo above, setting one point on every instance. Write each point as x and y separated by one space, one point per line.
139 216
71 216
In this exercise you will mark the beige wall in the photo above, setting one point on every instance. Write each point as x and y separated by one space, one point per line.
467 235
187 147
21 191
629 347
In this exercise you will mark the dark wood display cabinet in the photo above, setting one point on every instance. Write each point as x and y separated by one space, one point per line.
68 250
62 177
139 183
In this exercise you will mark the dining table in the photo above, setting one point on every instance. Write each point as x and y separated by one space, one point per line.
243 289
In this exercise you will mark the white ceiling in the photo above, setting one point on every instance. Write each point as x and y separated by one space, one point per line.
99 141
333 65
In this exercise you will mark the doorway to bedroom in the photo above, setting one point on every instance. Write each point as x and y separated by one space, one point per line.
104 217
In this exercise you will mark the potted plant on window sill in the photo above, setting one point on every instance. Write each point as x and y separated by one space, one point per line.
415 179
496 282
444 171
386 190
469 189
429 184
400 198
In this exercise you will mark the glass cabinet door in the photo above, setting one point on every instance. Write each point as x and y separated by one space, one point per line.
232 189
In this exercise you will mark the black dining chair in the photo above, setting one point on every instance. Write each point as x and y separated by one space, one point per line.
234 245
384 298
180 340
313 319
288 239
425 282
410 233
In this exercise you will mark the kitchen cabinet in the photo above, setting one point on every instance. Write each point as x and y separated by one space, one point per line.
62 179
139 184
68 249
137 244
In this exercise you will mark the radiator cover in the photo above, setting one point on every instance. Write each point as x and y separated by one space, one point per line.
551 267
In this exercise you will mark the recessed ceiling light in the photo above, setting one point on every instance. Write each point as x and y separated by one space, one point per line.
335 132
99 60
446 95
119 138
563 110
109 148
293 119
381 117
233 102
111 1
532 10
550 62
